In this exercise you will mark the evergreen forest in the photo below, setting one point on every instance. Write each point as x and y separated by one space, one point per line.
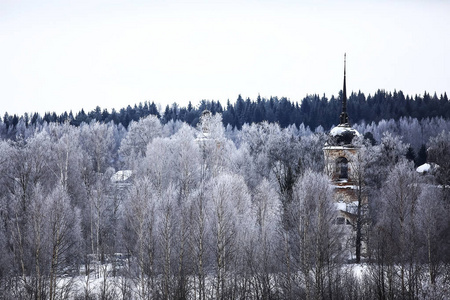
313 111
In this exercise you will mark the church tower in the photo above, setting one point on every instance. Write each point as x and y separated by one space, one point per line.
338 152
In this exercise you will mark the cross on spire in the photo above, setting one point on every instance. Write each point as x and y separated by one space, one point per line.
344 115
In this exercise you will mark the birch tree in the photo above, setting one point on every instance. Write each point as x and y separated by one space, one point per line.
65 235
361 162
186 167
315 237
198 239
266 206
167 216
431 220
186 161
439 153
98 142
399 237
140 134
229 211
140 235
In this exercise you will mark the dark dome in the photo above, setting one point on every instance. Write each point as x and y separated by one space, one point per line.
206 113
342 135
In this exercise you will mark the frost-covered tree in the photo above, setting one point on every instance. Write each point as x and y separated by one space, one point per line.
172 127
26 168
241 162
311 151
97 140
230 224
216 149
276 155
361 163
140 134
185 165
388 153
186 154
167 216
266 239
257 137
66 160
198 239
29 164
140 235
158 164
64 231
431 221
395 237
101 209
315 238
439 153
44 241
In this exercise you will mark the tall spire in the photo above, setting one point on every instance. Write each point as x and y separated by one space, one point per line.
344 116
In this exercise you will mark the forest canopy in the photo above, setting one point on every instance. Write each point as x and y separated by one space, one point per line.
235 203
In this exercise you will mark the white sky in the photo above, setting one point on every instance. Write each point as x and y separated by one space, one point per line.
67 55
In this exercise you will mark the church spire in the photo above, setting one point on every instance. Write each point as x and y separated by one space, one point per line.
344 116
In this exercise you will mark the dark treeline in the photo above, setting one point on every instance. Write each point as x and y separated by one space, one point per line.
312 111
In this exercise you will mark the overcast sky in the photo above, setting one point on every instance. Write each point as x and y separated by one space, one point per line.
67 55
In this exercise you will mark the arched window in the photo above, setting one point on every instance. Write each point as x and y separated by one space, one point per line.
342 168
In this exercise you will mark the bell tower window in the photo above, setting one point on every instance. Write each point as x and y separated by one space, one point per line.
342 168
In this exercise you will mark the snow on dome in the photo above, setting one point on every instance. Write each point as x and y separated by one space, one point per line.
339 130
121 175
342 135
425 168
